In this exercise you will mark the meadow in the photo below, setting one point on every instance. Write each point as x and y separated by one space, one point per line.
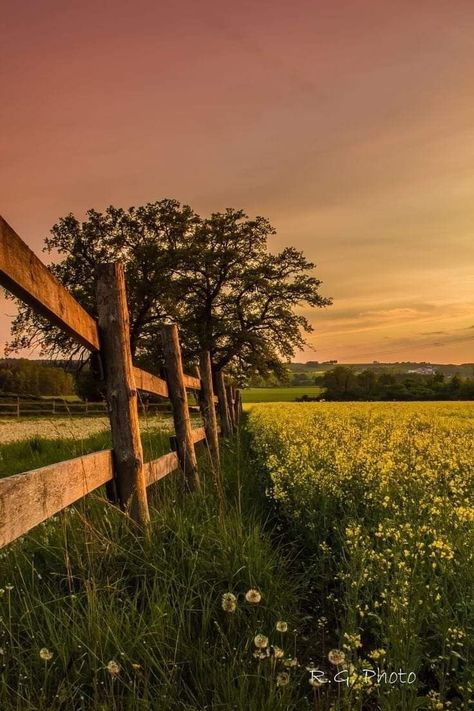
279 394
381 497
95 616
346 545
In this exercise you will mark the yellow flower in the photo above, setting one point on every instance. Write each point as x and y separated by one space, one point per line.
278 653
281 626
229 602
45 654
253 596
113 667
336 657
260 641
352 641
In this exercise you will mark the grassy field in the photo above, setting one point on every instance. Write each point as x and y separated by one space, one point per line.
288 394
73 428
382 498
347 536
95 616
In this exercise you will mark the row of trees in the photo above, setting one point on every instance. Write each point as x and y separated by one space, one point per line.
213 276
343 383
26 377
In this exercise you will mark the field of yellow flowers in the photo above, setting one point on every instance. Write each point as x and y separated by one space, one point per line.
382 497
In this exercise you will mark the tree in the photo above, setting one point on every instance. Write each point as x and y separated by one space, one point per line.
146 240
26 377
340 383
215 277
240 299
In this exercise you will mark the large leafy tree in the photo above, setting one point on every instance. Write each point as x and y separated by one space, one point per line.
215 277
241 300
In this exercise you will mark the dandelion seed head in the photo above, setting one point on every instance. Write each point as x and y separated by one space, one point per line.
113 667
45 654
283 679
336 657
260 641
229 602
253 596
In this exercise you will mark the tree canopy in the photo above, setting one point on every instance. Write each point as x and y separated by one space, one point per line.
214 276
27 377
342 383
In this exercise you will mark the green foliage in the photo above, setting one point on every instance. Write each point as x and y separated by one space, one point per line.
90 590
26 377
88 387
343 383
214 276
382 498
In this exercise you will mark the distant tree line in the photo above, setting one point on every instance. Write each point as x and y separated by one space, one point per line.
342 383
26 377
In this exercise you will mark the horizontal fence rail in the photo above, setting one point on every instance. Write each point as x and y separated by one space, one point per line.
28 499
24 275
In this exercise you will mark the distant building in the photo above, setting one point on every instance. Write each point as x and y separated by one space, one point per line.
424 370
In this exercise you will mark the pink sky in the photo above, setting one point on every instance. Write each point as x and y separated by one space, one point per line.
348 123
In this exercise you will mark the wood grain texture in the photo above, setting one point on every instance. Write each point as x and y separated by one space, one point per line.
121 391
30 498
25 276
179 403
223 406
237 406
207 405
149 383
161 467
206 400
230 405
191 383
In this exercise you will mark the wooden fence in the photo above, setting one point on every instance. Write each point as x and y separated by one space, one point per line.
29 498
57 407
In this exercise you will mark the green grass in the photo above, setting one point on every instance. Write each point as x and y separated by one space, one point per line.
17 457
287 394
91 589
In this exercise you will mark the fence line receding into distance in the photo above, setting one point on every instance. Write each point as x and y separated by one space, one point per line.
29 498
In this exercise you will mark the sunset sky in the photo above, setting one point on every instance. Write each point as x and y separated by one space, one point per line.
348 123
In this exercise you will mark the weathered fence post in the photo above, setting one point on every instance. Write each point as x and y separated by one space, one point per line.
18 406
207 406
206 403
230 405
179 404
237 406
223 405
113 321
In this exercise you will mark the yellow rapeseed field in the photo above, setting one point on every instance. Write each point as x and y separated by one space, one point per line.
383 496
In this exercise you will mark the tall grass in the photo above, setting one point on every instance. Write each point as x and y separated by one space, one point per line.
96 616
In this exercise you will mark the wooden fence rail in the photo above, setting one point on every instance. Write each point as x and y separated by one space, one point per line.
29 498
